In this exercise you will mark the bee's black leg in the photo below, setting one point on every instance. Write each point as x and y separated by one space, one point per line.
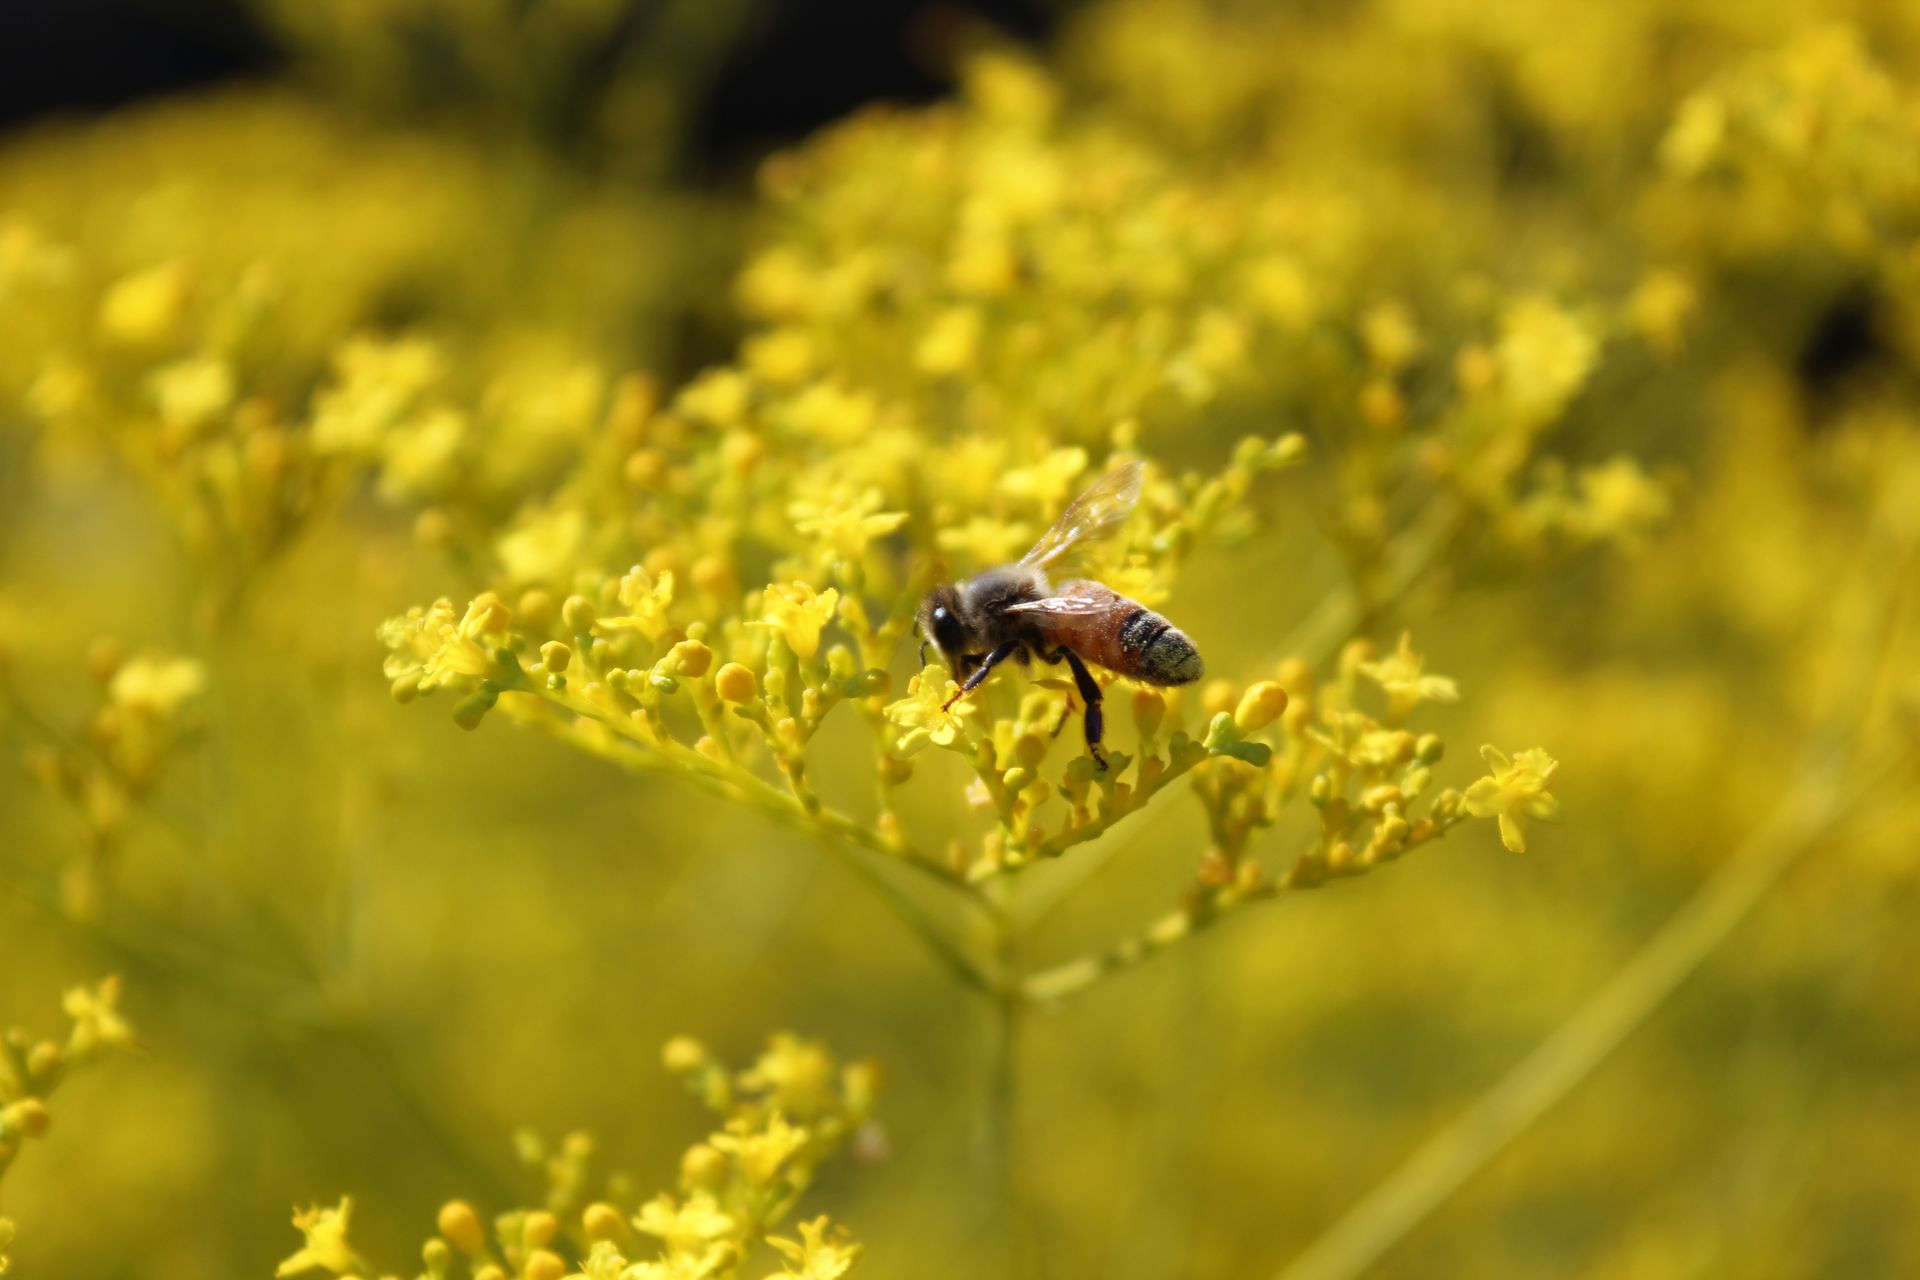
1090 694
981 672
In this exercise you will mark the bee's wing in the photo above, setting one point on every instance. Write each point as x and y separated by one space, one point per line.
1078 606
1093 515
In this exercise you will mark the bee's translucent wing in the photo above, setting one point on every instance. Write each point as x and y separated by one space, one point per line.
1077 606
1093 515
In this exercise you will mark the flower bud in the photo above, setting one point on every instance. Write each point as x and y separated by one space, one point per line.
44 1059
703 1166
1429 748
104 656
542 1264
535 609
683 1054
461 1227
1378 798
736 684
1260 706
540 1228
579 614
28 1117
555 656
690 658
1149 711
601 1221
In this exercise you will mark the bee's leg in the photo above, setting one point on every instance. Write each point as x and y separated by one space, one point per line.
1089 694
981 672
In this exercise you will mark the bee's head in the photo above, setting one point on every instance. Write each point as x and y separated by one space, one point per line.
940 625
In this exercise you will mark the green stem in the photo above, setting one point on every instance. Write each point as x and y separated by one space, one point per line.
1582 1042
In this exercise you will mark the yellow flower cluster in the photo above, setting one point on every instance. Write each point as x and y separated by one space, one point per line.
31 1069
177 323
144 716
781 1119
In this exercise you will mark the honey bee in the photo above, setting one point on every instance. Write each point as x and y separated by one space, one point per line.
1013 612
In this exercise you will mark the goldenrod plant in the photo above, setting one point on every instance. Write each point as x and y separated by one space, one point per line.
1522 409
32 1068
780 1119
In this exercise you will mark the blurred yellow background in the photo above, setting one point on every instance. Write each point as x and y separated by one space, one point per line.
1597 328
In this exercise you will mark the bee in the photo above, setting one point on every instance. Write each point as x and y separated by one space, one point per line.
1014 612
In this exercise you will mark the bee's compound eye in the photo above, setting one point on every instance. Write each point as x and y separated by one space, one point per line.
946 630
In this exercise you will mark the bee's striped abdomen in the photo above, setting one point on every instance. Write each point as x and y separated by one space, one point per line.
1158 651
1122 635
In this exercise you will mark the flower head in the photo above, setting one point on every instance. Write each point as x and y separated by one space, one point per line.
1546 354
429 649
799 1075
762 1150
687 1225
799 614
923 715
155 684
846 527
97 1021
326 1246
1403 675
1517 788
821 1253
647 598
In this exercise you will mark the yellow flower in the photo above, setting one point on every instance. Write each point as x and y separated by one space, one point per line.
1696 136
1050 481
950 343
799 614
326 1247
419 456
814 1256
782 357
1620 501
847 527
1403 675
984 540
798 1074
922 715
1392 338
428 649
542 547
685 1227
1545 355
377 384
832 414
1517 788
191 393
1660 306
647 599
718 397
761 1151
97 1022
155 684
144 307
